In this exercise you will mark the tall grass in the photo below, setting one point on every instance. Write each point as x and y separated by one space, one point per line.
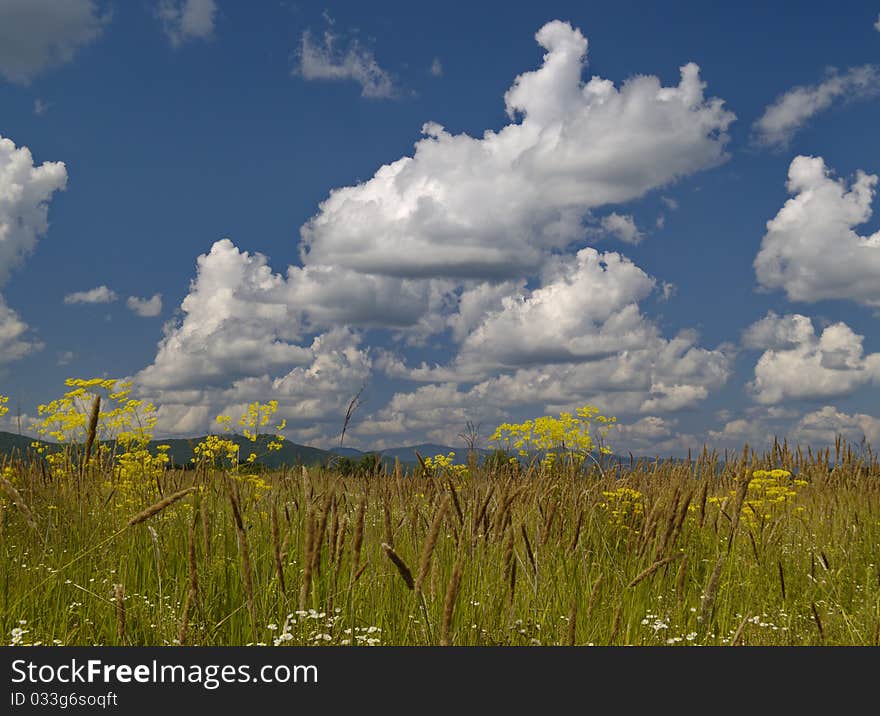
503 556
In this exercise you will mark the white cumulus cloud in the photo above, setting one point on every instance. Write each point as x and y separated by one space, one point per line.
99 294
623 227
324 60
821 428
25 192
492 206
145 307
811 250
38 34
792 110
15 341
475 239
184 20
798 364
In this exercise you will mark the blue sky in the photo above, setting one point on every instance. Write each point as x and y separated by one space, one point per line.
480 212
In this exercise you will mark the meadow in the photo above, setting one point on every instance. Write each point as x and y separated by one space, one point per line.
778 548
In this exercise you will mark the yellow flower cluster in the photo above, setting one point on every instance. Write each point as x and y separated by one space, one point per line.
567 435
214 449
3 409
769 492
446 464
123 432
256 416
624 506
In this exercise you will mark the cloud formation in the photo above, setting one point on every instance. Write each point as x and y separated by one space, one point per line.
622 227
99 294
38 34
185 20
145 307
25 192
323 60
811 250
821 428
475 238
494 206
15 341
791 111
797 364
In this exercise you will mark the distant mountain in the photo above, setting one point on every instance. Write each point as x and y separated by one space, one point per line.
347 452
407 454
12 444
181 450
291 454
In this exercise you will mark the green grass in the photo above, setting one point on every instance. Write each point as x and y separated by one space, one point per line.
573 558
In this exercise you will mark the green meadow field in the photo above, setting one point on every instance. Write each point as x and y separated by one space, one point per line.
103 545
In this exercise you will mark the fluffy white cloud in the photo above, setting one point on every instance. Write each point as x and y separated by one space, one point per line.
778 332
798 364
324 61
494 206
25 191
145 307
15 343
312 396
471 238
437 67
623 227
821 428
184 20
810 249
38 34
877 24
236 322
586 308
643 435
663 376
99 294
792 110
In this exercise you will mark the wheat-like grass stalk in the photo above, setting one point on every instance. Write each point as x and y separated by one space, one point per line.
193 591
93 430
645 573
157 507
577 531
19 502
357 540
680 579
247 573
386 519
548 523
529 553
711 592
431 542
119 596
402 569
449 604
276 546
594 595
818 621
